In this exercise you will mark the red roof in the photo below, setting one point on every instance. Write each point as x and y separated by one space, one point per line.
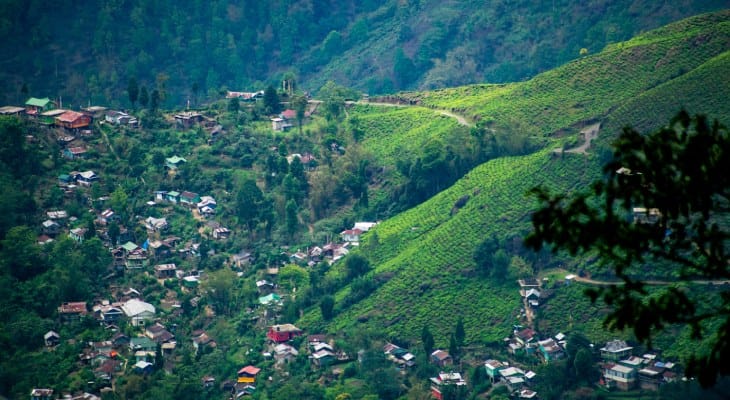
249 370
526 334
69 116
351 232
72 308
289 114
77 150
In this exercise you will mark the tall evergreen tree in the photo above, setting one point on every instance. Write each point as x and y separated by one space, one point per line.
234 105
249 200
133 90
292 219
114 232
272 104
453 346
459 333
144 96
327 305
427 340
299 104
155 100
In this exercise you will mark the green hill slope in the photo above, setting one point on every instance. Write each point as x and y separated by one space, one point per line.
423 257
192 50
591 87
393 133
426 253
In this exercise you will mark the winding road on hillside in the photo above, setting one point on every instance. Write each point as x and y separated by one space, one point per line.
459 118
597 282
589 133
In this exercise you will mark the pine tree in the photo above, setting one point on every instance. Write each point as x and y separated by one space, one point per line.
133 90
144 97
272 104
459 333
427 340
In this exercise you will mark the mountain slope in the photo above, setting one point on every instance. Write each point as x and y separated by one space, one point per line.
86 51
590 87
425 253
423 257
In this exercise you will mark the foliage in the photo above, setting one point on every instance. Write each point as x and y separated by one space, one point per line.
372 162
199 48
249 203
679 171
326 306
356 265
272 103
427 340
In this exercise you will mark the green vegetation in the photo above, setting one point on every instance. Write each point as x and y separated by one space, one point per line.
175 51
677 176
591 87
439 274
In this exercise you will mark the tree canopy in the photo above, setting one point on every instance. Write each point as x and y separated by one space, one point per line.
661 206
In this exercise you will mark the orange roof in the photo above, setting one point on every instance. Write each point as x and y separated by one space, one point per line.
249 370
69 116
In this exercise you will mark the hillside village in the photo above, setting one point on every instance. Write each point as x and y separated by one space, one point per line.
157 283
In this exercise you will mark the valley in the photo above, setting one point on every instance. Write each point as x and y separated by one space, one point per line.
277 244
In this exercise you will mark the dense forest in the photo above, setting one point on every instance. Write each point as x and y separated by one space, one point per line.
85 52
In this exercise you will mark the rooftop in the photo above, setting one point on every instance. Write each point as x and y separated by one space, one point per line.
249 370
285 328
616 346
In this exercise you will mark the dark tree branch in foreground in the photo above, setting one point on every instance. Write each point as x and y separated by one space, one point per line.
662 204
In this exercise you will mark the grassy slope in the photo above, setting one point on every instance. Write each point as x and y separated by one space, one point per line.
427 252
401 132
660 103
593 86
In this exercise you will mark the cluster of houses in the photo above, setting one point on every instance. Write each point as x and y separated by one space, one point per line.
619 368
332 252
204 205
147 351
280 349
399 356
103 356
47 394
525 341
622 370
47 112
516 379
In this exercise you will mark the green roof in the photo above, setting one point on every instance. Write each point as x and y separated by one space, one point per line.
173 193
269 298
38 102
175 160
143 342
129 246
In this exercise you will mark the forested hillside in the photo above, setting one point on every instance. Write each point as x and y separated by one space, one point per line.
280 246
86 51
423 257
